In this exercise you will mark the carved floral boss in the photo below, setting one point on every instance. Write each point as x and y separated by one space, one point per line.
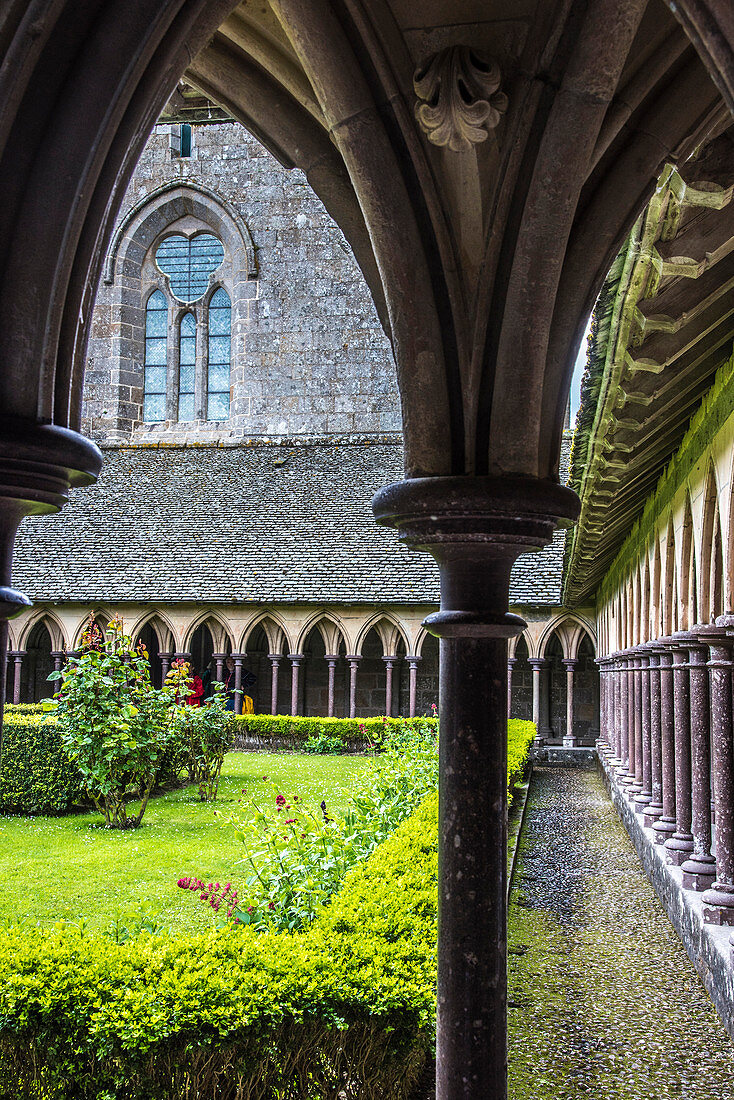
459 97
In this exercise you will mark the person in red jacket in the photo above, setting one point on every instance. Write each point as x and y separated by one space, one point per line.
194 700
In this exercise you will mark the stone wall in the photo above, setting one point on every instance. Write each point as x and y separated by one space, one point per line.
309 355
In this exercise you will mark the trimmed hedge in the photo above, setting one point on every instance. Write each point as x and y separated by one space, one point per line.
286 731
36 775
345 1008
520 737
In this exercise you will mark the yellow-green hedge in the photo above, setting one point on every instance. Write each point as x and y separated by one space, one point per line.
234 1014
285 730
36 775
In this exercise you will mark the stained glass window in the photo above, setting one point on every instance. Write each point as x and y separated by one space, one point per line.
220 329
186 367
156 356
188 262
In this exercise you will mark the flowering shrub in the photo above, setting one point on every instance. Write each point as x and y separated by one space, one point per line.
115 727
296 857
206 735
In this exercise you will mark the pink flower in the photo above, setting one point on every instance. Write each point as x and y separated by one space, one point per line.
280 800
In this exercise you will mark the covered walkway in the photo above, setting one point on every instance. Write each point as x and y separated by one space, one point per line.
604 1001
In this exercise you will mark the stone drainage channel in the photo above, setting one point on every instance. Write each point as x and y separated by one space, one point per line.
604 1001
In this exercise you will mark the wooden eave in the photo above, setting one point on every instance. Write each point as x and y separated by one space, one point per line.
669 327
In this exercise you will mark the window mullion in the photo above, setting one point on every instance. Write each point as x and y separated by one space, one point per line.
172 367
202 362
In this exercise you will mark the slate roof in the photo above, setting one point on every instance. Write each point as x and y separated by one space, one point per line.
228 525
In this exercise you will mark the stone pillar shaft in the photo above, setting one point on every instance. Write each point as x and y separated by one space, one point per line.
389 666
718 900
239 660
354 660
700 868
571 664
275 659
680 844
331 660
665 824
654 808
412 683
17 656
295 659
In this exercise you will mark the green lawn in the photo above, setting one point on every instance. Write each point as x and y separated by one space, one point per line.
72 868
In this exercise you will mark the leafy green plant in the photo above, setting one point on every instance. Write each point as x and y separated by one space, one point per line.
323 745
206 735
114 725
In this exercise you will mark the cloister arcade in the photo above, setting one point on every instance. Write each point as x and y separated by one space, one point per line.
320 664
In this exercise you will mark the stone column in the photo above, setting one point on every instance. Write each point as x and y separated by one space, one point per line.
644 797
40 462
664 827
218 674
570 664
536 664
699 870
635 703
389 666
239 660
680 844
59 659
475 528
295 660
165 659
718 900
354 660
603 744
412 682
627 767
511 662
616 711
331 660
17 655
275 659
654 808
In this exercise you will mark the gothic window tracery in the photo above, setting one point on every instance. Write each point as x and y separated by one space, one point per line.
156 358
187 369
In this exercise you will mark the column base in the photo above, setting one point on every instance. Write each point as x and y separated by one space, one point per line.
699 873
718 904
570 742
663 828
642 800
678 848
653 811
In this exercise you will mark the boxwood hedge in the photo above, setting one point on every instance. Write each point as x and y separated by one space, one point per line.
36 776
343 1009
287 731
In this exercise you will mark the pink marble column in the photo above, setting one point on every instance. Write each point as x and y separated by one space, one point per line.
699 870
412 682
664 827
239 660
680 845
570 664
654 808
331 660
389 666
275 659
644 797
165 659
354 660
295 660
718 900
537 664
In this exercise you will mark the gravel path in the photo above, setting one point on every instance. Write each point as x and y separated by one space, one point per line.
604 1001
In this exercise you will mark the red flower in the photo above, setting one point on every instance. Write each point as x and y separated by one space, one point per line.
280 800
